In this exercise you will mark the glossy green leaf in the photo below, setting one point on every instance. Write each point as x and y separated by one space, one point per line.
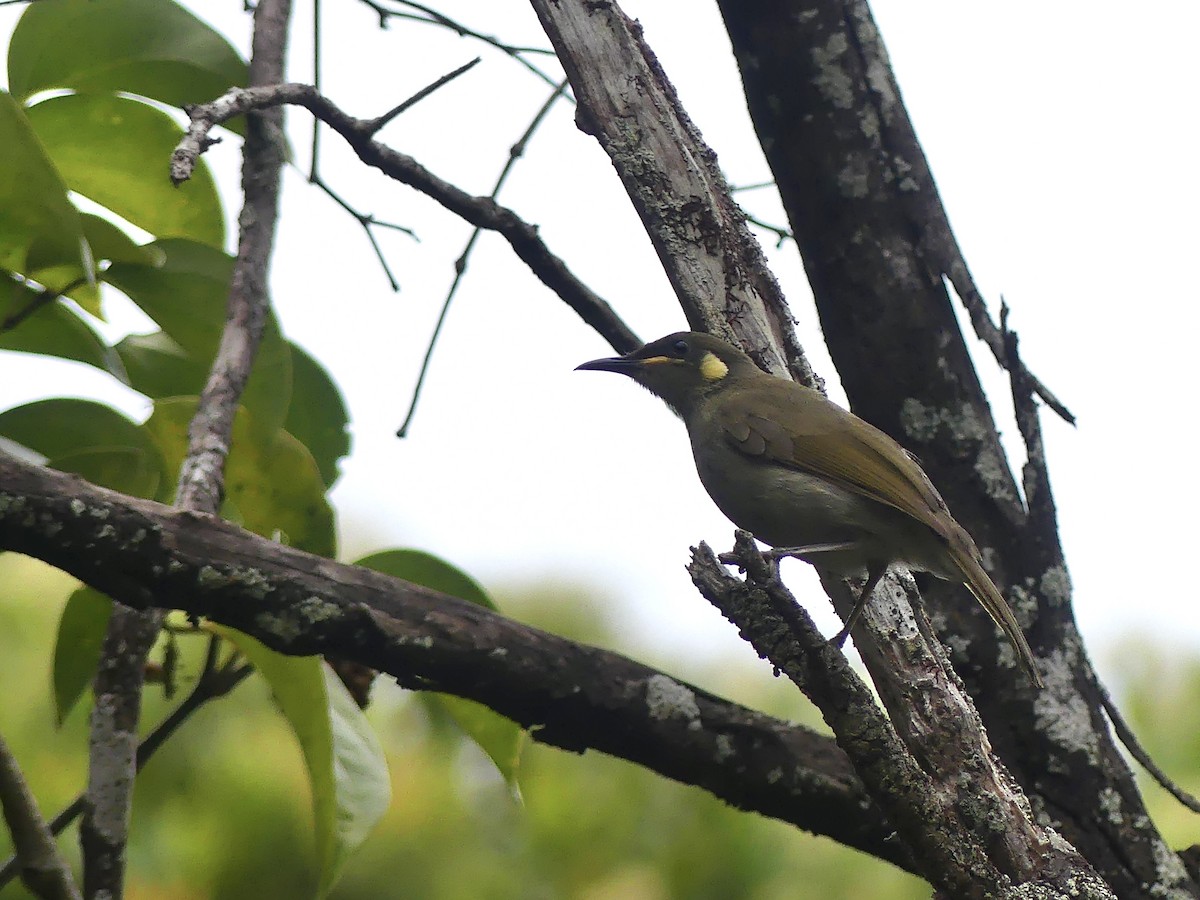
500 738
55 329
187 296
317 415
503 740
89 439
77 649
346 767
186 293
154 48
158 367
106 242
33 197
116 151
428 570
130 470
272 485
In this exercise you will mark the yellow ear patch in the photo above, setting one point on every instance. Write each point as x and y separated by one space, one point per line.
712 368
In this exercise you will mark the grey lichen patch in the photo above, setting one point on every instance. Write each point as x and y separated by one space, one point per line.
1061 714
248 579
668 699
1110 805
314 609
1022 601
111 776
725 749
297 619
920 422
879 80
1055 585
775 776
1172 876
78 507
832 80
854 178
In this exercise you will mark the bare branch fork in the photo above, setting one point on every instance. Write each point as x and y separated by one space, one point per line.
368 221
479 211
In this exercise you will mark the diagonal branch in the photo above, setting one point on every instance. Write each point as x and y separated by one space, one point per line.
479 211
42 868
572 696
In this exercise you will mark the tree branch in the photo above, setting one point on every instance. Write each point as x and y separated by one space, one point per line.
572 696
712 260
42 868
478 211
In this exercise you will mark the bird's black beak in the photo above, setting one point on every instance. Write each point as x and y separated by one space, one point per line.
621 364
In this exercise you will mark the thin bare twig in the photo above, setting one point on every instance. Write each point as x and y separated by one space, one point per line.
431 16
36 857
460 266
44 297
214 682
1140 753
380 121
782 235
481 211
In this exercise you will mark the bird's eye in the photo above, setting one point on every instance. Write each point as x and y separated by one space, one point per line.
680 348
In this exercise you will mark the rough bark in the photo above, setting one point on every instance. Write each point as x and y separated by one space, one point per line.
878 251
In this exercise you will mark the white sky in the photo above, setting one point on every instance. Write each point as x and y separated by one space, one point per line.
1062 136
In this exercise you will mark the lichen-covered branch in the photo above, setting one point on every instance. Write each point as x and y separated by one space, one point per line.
570 695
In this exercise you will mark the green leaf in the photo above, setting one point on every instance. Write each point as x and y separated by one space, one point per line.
130 470
54 330
317 415
500 738
77 649
105 242
89 439
503 740
116 151
154 48
108 242
187 296
430 571
33 198
346 766
158 367
272 485
186 293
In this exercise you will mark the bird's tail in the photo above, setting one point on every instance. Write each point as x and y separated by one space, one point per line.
990 598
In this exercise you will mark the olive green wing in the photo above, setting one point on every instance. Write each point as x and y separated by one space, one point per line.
790 425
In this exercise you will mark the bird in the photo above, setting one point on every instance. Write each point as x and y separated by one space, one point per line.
807 477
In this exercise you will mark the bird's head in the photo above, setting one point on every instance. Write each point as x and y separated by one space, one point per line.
680 368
